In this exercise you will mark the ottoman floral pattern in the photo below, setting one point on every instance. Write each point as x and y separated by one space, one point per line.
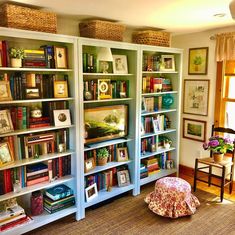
172 198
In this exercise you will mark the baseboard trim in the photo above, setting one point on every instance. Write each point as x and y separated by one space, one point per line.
190 172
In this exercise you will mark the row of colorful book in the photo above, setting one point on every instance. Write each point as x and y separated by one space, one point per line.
89 63
151 104
151 62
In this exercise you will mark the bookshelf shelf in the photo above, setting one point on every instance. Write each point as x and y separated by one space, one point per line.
107 100
30 189
158 112
159 72
159 151
35 69
107 74
159 93
158 133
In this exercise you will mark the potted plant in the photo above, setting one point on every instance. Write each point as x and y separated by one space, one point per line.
167 143
219 146
102 156
16 55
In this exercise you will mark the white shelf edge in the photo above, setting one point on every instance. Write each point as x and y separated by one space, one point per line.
157 72
35 69
159 111
106 100
109 165
41 158
36 187
158 133
159 93
34 130
104 195
150 154
161 173
107 143
107 74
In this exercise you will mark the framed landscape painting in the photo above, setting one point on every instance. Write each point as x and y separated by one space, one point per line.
194 129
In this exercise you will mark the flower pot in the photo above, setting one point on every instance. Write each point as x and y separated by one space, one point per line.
16 63
218 157
102 161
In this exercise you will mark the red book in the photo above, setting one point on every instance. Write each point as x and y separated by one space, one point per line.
7 181
60 167
12 145
38 180
39 125
1 54
13 111
4 54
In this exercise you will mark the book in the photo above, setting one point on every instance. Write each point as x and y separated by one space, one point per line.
37 181
59 192
13 211
51 202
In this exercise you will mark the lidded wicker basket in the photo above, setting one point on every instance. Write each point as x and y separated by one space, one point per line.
14 16
102 30
150 37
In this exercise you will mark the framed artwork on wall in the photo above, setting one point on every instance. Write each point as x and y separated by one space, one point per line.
198 61
194 129
196 96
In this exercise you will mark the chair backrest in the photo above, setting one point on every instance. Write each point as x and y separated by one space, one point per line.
223 131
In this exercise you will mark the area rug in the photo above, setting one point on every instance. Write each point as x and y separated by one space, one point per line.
130 215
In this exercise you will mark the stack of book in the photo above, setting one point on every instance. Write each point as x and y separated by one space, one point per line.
13 217
58 198
143 171
152 165
34 58
36 173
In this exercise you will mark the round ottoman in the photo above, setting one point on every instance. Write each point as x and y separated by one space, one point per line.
172 198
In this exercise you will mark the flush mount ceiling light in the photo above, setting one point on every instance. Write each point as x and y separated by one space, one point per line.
232 8
219 15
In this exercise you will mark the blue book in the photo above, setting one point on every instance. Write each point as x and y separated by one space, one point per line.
58 192
36 167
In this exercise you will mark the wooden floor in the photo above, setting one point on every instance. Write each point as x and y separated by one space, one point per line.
211 189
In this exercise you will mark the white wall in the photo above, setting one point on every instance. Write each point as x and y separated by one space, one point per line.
190 149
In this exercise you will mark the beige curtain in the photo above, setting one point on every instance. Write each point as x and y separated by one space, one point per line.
225 46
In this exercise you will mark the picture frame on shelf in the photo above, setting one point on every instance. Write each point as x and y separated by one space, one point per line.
120 64
62 117
123 178
32 93
104 89
169 164
60 89
89 164
196 96
122 154
61 60
91 192
198 61
167 63
194 129
5 121
6 156
5 91
104 123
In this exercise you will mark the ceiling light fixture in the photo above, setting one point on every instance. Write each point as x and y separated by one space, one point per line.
219 15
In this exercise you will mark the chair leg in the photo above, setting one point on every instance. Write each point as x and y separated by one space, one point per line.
209 176
222 184
195 175
231 179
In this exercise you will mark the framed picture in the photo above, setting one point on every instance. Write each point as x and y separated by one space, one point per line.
62 117
169 164
32 93
104 123
60 89
120 64
60 54
91 192
6 156
5 121
89 164
104 89
194 129
168 63
196 96
5 92
122 154
123 178
198 60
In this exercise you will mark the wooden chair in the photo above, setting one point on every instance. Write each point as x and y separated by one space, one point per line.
208 163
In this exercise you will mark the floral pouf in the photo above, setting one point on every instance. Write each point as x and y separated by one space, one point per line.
172 198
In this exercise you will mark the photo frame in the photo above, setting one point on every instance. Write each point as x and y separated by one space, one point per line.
62 117
122 154
198 61
89 164
6 156
60 54
32 93
5 91
5 121
196 96
120 64
60 89
104 89
91 192
194 129
169 164
168 63
123 178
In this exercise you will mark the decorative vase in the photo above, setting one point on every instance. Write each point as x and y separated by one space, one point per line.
16 63
102 161
218 157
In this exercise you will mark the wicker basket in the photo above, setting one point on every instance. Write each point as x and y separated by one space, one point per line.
149 37
102 30
19 17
